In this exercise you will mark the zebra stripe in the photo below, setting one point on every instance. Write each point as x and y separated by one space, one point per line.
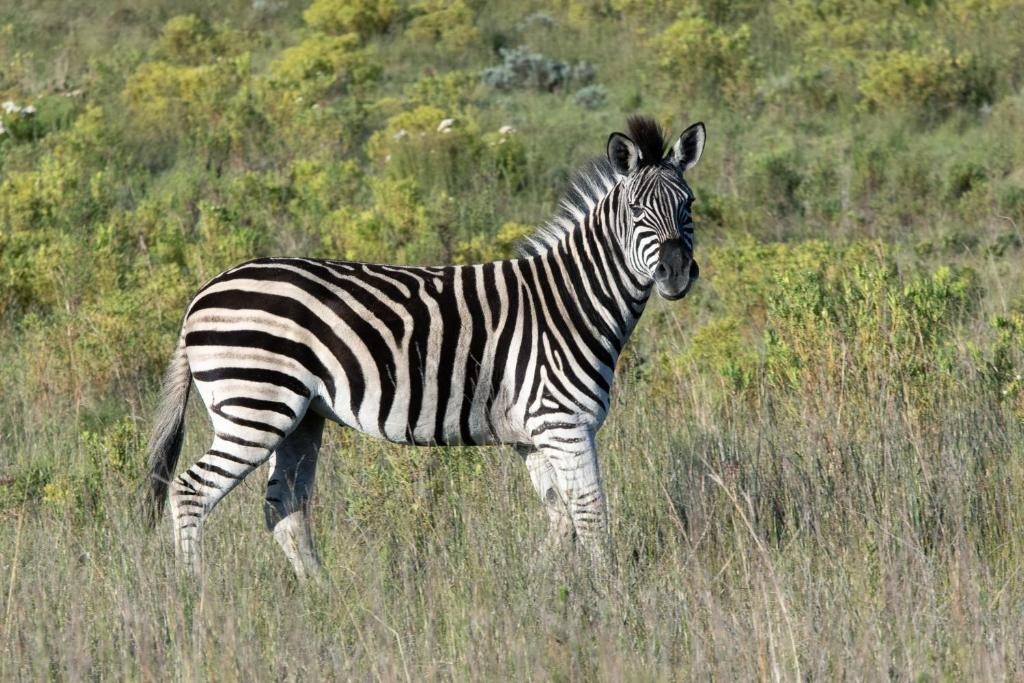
518 352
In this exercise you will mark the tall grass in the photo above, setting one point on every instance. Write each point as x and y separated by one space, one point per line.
749 542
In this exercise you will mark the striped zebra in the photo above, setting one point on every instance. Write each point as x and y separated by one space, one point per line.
518 352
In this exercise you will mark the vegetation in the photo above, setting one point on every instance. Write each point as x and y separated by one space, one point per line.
815 462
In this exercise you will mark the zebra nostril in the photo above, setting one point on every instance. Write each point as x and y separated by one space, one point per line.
661 272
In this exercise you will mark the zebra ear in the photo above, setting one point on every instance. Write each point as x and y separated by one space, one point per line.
688 148
623 153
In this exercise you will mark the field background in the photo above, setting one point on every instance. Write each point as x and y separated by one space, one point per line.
815 463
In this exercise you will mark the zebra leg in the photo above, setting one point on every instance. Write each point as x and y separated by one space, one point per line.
573 460
560 528
197 490
289 487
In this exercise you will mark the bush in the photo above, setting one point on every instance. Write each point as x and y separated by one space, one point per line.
416 144
775 179
522 69
187 39
823 310
172 102
592 97
482 248
700 58
398 227
936 80
362 17
323 65
451 91
443 24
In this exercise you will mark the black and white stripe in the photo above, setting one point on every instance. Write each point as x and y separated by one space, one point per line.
517 352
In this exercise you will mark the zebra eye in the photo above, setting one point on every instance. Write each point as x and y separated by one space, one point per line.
637 211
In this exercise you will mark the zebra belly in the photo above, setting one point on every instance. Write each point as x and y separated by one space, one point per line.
460 421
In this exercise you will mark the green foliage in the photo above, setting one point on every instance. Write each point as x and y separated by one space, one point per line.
108 463
398 227
825 315
937 80
322 65
363 17
169 101
1005 366
700 58
189 39
451 91
445 24
481 248
592 96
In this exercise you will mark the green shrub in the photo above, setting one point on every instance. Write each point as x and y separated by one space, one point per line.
173 102
591 97
397 228
1005 365
323 65
700 58
450 91
775 180
362 17
432 146
188 39
27 486
823 310
485 247
936 80
446 25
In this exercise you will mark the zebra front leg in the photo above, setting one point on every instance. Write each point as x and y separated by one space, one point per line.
289 487
573 461
197 490
542 475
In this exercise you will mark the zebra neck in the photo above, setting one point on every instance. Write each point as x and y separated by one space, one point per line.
590 261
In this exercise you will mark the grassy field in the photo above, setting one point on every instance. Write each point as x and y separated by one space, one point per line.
815 463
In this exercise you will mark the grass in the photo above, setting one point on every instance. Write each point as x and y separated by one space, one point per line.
815 464
751 540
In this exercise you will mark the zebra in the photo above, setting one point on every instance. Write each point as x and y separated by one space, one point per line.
519 352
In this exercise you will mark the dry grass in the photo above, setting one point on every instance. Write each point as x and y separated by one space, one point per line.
750 543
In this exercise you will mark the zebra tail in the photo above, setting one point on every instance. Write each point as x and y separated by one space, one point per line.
169 431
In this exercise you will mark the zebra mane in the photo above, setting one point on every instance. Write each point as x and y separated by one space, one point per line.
589 185
592 182
649 137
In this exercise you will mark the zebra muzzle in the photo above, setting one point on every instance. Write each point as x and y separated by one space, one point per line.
676 270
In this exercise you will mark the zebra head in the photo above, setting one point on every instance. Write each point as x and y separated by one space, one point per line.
655 221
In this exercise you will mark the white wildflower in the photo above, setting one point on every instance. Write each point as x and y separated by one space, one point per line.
3 131
507 130
10 107
28 111
400 135
445 126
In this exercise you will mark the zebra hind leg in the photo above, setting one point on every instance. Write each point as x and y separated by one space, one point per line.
289 487
197 490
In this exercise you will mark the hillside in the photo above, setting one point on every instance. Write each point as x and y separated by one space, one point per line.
815 462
